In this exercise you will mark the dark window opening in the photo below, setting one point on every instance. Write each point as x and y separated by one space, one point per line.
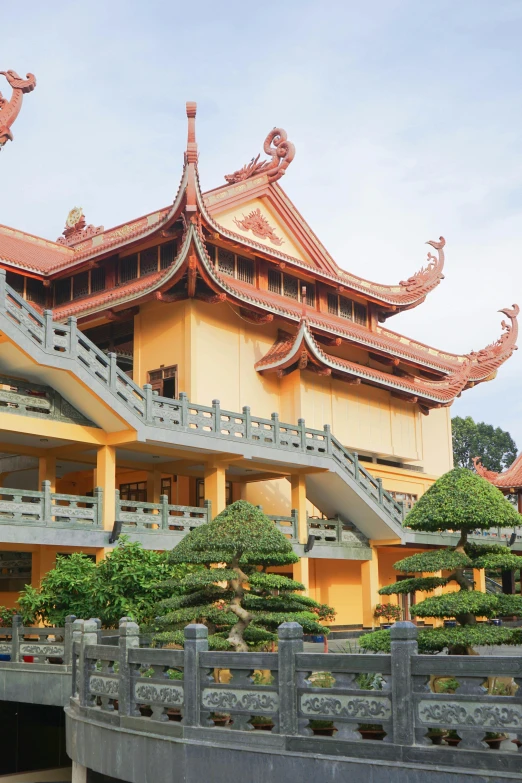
167 254
98 280
229 263
62 291
200 493
149 261
128 268
35 291
15 571
80 285
15 281
348 308
164 381
136 491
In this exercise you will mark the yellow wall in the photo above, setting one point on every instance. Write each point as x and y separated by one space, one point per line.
338 584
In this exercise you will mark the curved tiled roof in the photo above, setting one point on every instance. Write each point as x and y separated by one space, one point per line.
29 252
509 479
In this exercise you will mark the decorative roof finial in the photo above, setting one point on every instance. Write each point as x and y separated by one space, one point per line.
9 110
75 229
192 147
282 152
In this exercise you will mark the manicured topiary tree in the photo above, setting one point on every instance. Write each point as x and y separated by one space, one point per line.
460 501
241 604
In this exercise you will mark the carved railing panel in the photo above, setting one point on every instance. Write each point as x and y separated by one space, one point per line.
156 684
29 507
137 516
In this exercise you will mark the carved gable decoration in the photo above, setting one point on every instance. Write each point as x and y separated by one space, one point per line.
76 230
259 226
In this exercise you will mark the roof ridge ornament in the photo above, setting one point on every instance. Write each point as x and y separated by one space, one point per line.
9 110
489 475
76 230
430 274
506 343
282 153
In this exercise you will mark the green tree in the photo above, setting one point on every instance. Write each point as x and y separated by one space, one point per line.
125 583
459 501
236 598
496 447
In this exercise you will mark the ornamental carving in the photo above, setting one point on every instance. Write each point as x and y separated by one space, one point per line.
489 475
506 343
42 649
76 230
282 153
103 686
257 223
249 701
431 274
5 649
470 714
9 110
164 694
343 706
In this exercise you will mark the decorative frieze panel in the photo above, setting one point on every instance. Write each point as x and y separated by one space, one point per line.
103 686
255 702
484 714
53 650
150 693
367 709
5 649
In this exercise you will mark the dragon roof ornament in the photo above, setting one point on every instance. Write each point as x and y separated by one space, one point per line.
506 343
431 274
489 475
282 153
9 110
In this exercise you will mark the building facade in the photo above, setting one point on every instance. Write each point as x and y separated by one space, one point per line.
213 350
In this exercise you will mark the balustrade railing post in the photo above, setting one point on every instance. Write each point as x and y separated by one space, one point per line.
328 437
72 323
68 639
16 637
248 422
290 642
403 647
46 502
88 635
217 416
3 290
147 388
295 524
98 503
129 639
380 490
113 370
77 635
48 330
275 422
356 466
183 398
196 641
302 433
208 509
164 501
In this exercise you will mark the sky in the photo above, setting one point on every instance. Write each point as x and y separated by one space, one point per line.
406 117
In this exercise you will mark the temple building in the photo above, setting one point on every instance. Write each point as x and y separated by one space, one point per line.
155 371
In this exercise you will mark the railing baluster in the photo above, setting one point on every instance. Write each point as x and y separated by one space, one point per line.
217 416
48 330
47 511
129 639
149 415
290 642
183 398
275 421
248 422
196 641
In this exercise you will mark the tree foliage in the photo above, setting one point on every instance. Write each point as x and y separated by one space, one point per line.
496 447
241 605
459 501
125 583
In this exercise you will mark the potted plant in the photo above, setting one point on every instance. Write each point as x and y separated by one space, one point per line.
452 738
436 735
322 728
220 718
262 722
493 739
387 612
373 731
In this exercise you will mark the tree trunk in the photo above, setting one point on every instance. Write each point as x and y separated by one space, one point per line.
235 636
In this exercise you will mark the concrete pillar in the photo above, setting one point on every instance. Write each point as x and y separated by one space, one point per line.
154 486
298 501
79 773
106 478
47 471
215 487
370 587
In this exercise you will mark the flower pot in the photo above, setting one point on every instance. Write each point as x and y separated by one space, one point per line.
5 657
436 739
263 726
221 721
385 626
372 734
318 638
173 714
454 741
496 621
325 732
450 623
494 744
28 658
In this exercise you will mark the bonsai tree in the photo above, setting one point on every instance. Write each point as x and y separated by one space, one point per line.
234 596
387 612
125 583
462 502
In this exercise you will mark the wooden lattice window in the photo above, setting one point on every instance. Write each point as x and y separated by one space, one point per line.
148 261
80 285
290 287
226 262
136 491
274 281
128 268
35 291
245 269
166 486
348 308
229 263
62 291
167 254
97 279
164 381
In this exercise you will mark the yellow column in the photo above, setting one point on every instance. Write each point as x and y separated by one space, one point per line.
479 577
47 471
154 486
370 587
302 568
215 487
106 479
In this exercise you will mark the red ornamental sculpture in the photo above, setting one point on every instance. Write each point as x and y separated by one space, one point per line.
282 152
9 110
